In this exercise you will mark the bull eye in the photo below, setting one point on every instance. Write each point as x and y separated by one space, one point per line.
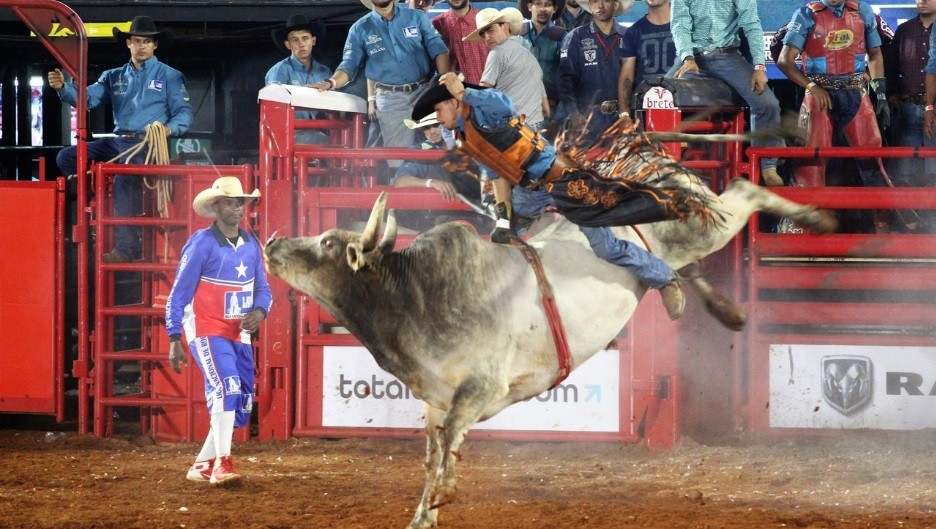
328 243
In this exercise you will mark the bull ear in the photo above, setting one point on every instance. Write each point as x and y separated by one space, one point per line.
389 235
369 237
357 257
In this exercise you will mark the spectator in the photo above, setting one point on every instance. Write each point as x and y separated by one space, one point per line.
298 38
590 66
573 15
484 122
905 66
648 50
399 45
219 298
706 36
454 25
545 38
834 77
452 182
143 93
510 66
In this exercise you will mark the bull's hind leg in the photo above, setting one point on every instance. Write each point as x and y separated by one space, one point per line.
760 199
427 516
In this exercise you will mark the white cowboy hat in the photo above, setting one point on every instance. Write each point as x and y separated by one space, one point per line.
226 186
428 121
623 6
489 16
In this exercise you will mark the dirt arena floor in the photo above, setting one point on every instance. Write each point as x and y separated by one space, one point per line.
860 480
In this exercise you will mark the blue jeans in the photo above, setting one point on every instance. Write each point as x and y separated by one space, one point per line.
644 265
907 131
392 109
733 69
128 190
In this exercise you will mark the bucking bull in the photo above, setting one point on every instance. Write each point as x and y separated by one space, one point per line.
459 320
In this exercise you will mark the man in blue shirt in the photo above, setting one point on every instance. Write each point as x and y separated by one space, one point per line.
706 35
590 63
648 51
487 128
142 92
399 46
219 298
298 37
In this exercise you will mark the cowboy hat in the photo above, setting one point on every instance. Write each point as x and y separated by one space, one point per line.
224 187
525 11
490 16
623 6
296 23
425 105
428 121
143 26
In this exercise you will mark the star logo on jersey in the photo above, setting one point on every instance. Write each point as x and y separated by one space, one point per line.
241 270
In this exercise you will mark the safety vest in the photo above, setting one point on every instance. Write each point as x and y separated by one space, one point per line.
507 150
835 46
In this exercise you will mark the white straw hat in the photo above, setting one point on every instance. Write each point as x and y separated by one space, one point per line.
226 186
489 16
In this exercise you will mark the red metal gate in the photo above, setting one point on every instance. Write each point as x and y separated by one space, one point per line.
821 303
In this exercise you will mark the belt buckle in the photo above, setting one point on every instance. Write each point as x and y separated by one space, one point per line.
408 89
609 107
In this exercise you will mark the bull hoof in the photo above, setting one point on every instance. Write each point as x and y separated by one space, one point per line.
442 497
819 221
725 311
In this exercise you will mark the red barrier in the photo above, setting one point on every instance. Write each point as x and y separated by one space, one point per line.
32 304
867 295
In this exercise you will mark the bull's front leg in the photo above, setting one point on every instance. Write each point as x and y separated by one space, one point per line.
427 516
472 398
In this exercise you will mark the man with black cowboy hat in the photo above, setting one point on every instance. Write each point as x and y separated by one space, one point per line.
143 93
219 298
487 128
298 38
401 50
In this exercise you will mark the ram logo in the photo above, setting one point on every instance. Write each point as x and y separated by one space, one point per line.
846 382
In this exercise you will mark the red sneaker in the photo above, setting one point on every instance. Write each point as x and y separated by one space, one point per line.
223 471
200 471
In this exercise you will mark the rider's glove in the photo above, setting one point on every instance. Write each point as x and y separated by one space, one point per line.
881 106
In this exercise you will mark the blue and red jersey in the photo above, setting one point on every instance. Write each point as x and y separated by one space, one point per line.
218 283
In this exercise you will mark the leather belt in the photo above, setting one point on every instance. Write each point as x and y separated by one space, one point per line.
847 82
726 49
560 166
405 88
919 99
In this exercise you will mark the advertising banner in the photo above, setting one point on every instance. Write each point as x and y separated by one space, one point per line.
357 393
839 386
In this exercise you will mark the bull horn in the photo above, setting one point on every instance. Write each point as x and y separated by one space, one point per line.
369 237
389 235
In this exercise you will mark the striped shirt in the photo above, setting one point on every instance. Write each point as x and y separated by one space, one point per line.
703 25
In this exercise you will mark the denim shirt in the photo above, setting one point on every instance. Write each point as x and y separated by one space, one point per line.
397 51
155 92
